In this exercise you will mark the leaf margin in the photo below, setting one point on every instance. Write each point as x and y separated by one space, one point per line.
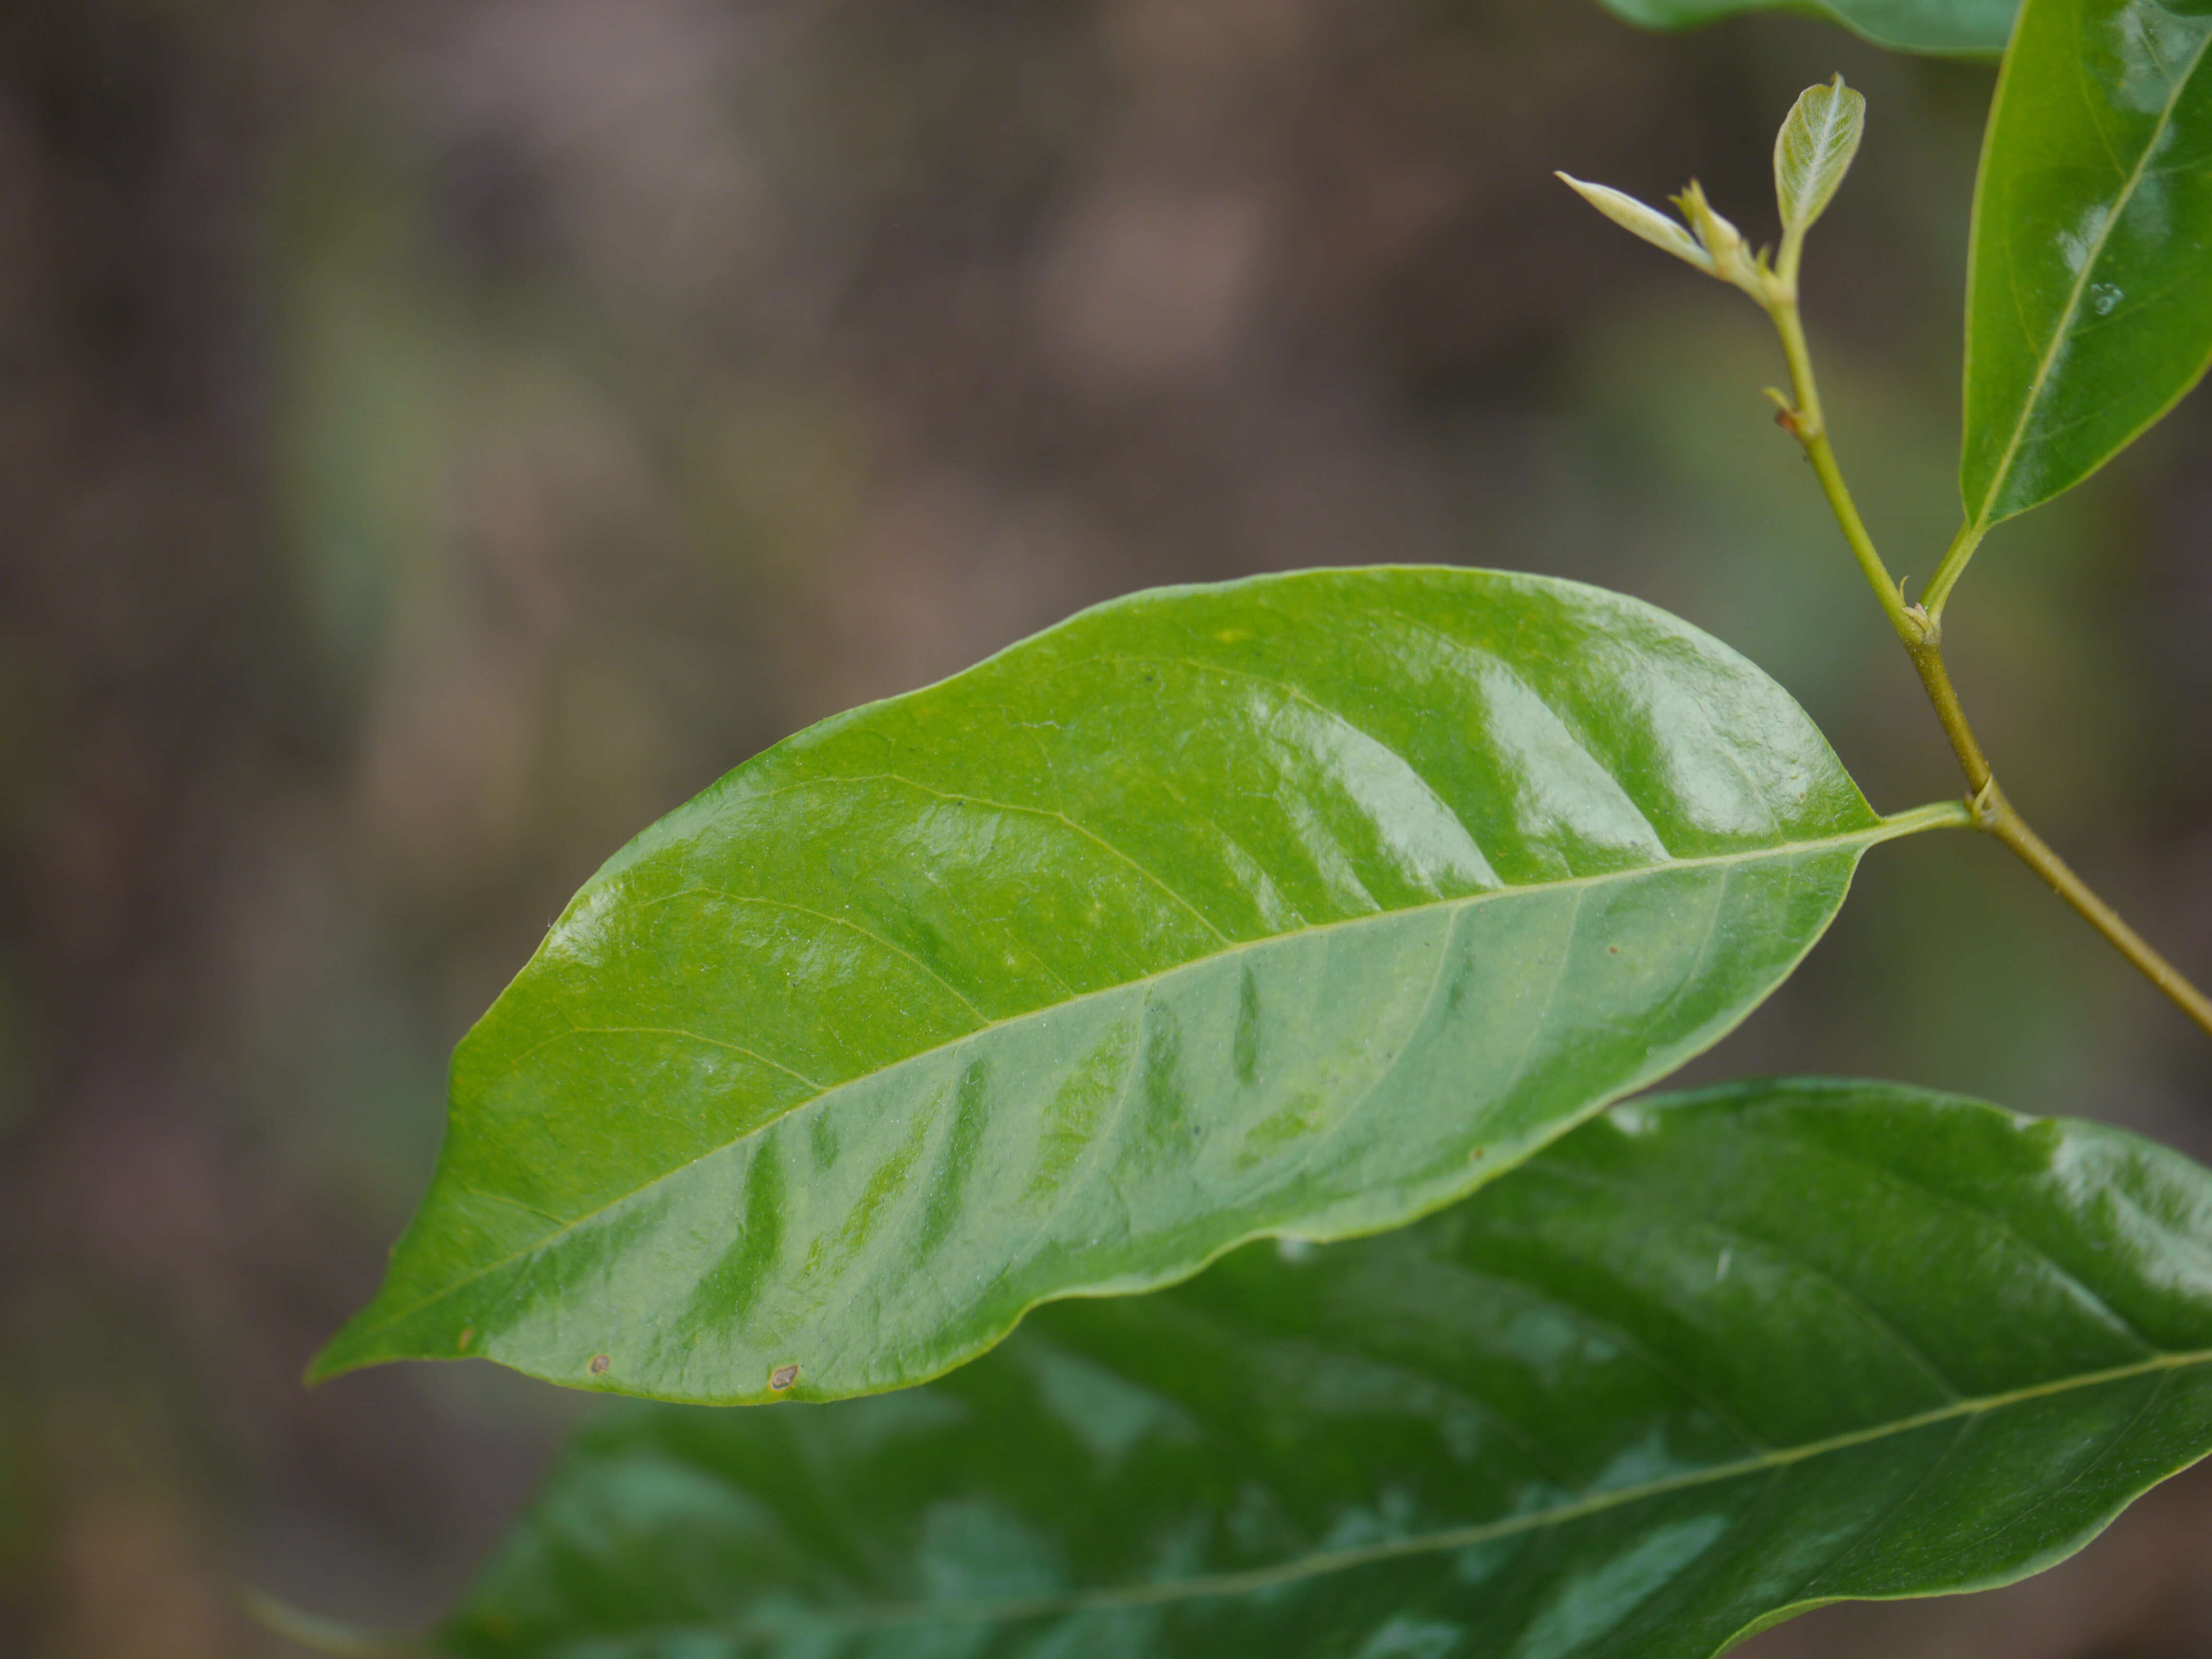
1991 512
334 1359
1984 46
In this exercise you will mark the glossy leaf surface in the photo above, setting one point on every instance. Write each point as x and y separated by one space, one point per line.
1707 1361
1295 905
1957 28
2090 308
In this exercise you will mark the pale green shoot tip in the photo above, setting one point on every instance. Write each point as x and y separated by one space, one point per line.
1813 151
1707 242
1732 261
1653 226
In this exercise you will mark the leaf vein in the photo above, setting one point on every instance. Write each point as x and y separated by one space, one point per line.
1320 1562
1737 1232
2008 456
1884 829
835 921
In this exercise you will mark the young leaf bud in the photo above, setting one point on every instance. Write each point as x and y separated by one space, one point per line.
1653 226
1722 242
1813 150
1720 237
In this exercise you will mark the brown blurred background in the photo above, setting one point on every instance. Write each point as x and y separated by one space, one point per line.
438 436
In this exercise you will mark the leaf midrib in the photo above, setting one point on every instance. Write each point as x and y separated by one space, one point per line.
1325 1562
1821 143
2010 456
1946 813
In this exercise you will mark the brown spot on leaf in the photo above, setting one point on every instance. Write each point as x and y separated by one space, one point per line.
1475 1156
1613 950
468 1335
599 1364
782 1377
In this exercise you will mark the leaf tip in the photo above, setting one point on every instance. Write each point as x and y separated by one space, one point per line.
330 1360
353 1347
1640 219
1814 149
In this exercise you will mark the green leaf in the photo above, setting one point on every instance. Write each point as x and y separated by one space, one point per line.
1813 151
1295 905
1711 1360
1954 28
2089 305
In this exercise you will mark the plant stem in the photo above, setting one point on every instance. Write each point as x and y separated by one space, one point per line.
1926 655
1802 419
1994 815
1920 626
1936 815
1953 566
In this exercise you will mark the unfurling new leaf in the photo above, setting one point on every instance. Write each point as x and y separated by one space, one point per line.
1642 220
1711 242
1813 150
1719 237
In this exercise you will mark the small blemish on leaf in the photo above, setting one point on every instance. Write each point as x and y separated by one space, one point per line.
468 1335
782 1377
1613 950
1475 1156
599 1364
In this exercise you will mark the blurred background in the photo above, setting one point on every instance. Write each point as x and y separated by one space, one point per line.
438 436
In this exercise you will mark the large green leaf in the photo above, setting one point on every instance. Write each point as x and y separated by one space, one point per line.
1296 906
1956 28
2090 308
1709 1361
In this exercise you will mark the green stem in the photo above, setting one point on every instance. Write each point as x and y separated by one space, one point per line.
1936 815
1804 420
1927 656
1953 566
1787 262
1920 626
1994 815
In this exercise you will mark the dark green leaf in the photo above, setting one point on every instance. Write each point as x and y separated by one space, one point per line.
1710 1360
1295 905
2089 309
1957 28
